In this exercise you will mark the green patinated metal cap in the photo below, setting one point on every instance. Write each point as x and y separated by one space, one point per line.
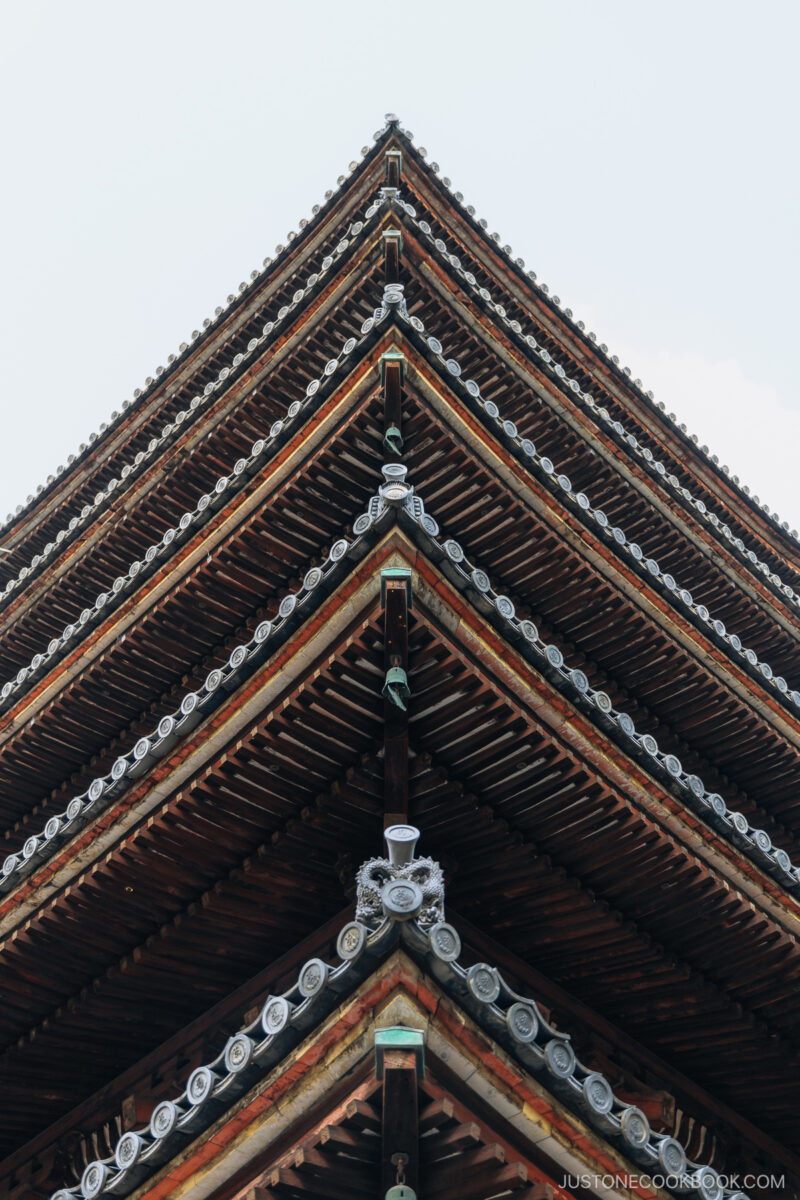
398 1037
393 356
393 440
396 575
393 235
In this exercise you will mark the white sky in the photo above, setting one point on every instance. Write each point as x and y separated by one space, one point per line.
641 157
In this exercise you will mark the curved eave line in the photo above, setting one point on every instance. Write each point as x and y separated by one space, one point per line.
744 678
547 1110
216 717
51 668
783 886
545 690
247 370
304 244
674 781
563 323
518 356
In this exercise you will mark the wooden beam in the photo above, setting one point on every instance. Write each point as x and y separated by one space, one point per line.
393 377
394 167
400 1119
395 763
392 253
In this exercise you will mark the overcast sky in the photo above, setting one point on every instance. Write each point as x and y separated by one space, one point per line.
641 157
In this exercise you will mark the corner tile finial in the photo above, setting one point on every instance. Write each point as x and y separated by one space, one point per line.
400 887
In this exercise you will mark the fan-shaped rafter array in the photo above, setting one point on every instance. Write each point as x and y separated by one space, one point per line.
197 734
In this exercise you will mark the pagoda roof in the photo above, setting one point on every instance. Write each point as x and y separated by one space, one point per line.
602 744
507 269
310 246
134 760
243 468
553 812
266 1049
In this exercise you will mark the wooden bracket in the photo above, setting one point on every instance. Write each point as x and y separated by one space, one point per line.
399 1055
393 370
392 253
394 168
396 596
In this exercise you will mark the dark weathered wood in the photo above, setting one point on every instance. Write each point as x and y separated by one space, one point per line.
537 1191
352 1144
462 1183
460 1137
400 1118
393 373
392 250
362 1115
436 1114
395 763
551 855
394 167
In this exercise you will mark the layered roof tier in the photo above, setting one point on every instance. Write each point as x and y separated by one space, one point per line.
601 743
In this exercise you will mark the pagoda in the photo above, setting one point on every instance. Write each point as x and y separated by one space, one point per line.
399 757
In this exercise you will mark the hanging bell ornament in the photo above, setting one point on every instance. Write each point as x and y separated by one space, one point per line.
400 1190
395 688
393 440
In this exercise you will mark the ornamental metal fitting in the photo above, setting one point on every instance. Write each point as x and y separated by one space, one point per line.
395 687
399 1037
394 490
393 360
394 167
400 887
401 1191
394 298
393 440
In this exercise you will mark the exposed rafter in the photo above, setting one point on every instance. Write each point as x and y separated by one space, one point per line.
395 540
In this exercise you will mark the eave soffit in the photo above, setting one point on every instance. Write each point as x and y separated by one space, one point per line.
392 134
571 1117
475 582
744 661
229 708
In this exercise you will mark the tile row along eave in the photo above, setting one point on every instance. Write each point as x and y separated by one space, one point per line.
625 388
621 548
545 472
747 657
715 532
371 157
744 658
547 659
514 1020
232 700
273 271
174 433
733 825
